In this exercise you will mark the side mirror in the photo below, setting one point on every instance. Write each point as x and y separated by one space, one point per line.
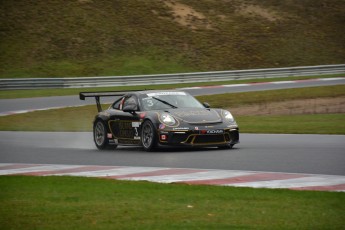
131 108
206 105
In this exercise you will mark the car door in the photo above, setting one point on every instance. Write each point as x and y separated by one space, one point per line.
125 126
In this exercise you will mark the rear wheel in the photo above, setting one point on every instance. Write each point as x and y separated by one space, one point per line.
100 135
148 136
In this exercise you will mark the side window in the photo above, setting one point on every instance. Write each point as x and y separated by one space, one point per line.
117 104
132 100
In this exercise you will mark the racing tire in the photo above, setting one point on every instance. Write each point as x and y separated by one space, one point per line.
148 136
100 136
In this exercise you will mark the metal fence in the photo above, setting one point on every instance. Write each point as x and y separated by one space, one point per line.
83 82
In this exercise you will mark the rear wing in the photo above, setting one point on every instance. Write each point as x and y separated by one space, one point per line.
98 95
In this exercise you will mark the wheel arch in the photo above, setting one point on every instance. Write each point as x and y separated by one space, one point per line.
153 117
104 120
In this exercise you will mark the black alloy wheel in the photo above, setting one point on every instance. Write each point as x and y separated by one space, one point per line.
148 136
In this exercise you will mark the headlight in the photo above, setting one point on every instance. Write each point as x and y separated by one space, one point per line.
168 119
228 116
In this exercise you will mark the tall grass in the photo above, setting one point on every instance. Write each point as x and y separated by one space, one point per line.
55 38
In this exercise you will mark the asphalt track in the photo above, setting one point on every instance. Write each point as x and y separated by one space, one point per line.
312 154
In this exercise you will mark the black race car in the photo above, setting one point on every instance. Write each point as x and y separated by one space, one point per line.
153 118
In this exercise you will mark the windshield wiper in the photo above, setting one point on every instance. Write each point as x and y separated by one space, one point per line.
165 102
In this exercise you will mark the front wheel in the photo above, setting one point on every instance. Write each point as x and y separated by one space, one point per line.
148 136
100 135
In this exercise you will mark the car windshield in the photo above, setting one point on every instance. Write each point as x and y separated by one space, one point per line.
168 100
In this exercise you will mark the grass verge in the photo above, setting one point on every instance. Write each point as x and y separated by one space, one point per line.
293 124
90 203
64 120
230 100
80 118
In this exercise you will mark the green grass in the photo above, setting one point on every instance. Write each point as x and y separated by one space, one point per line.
89 203
80 118
293 124
46 38
63 120
9 94
229 100
66 119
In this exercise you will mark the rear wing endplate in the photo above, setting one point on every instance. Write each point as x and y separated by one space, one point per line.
98 95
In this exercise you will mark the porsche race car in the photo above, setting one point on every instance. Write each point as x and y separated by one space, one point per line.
155 118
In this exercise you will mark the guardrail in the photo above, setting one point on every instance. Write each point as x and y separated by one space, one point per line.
83 82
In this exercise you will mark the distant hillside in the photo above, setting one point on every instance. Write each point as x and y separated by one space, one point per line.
62 38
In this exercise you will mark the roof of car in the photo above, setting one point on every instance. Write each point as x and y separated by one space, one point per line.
158 91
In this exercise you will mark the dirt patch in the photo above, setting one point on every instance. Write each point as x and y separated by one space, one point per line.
186 16
258 11
306 106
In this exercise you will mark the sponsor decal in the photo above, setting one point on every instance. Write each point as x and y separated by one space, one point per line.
191 113
165 93
203 131
162 132
216 131
135 124
181 128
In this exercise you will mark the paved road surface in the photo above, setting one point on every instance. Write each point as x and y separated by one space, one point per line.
315 154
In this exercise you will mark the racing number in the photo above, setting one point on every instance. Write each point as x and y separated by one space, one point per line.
136 125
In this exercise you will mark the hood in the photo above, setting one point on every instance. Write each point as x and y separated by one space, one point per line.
197 115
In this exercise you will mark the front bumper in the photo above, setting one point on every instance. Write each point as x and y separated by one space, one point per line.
219 137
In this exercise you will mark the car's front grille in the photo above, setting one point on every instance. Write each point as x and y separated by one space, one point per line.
206 139
176 138
197 138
